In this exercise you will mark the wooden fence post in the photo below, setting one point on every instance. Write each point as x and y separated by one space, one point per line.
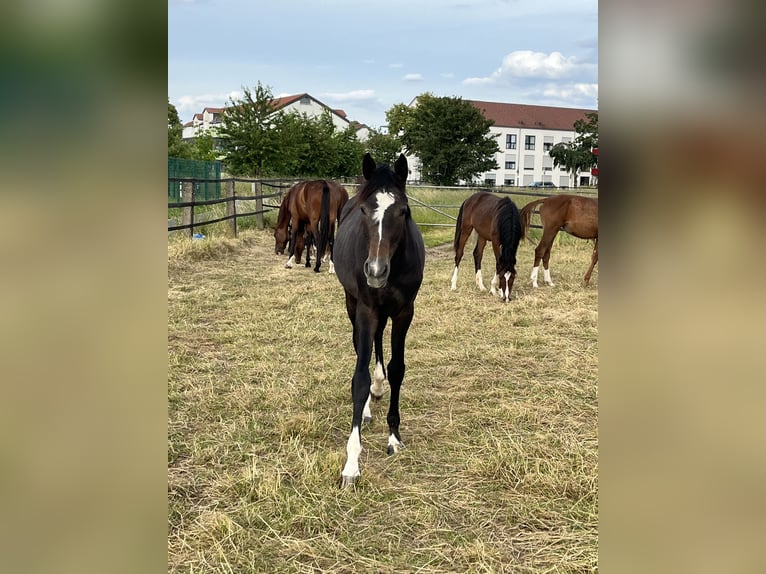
188 213
258 193
231 207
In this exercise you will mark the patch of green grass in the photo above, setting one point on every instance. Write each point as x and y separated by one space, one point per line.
499 415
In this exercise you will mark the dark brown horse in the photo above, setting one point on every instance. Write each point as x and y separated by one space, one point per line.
380 257
495 219
574 214
310 207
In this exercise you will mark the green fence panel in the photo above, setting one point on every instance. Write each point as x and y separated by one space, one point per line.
193 168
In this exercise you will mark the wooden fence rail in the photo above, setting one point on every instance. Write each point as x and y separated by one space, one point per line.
231 198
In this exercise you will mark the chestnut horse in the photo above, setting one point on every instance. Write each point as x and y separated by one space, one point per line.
380 257
575 214
495 219
310 207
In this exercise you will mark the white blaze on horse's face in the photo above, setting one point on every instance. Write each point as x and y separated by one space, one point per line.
376 266
385 200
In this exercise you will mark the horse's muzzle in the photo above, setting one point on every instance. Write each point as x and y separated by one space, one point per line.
376 272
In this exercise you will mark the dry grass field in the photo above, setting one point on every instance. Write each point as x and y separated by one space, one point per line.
499 413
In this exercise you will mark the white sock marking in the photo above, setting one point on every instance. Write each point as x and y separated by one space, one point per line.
547 276
507 295
493 285
290 262
534 275
367 412
480 281
394 443
378 379
353 450
454 279
332 268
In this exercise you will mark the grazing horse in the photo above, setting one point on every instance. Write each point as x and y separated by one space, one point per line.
495 219
379 258
313 207
574 214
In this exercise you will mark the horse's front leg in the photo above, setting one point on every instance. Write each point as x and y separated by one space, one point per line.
364 326
399 327
293 239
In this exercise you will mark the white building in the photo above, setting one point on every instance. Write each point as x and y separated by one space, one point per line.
211 118
525 135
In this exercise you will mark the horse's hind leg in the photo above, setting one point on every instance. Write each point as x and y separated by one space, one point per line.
377 388
478 253
543 252
465 232
593 261
399 327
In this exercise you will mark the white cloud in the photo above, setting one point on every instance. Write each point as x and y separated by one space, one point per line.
572 92
412 77
396 65
197 103
528 64
352 96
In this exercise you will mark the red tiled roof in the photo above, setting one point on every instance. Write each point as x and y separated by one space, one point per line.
341 113
528 116
213 110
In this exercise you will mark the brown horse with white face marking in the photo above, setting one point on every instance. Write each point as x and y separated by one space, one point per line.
575 214
495 219
311 206
380 257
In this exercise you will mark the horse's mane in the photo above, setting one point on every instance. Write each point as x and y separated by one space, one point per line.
509 227
384 177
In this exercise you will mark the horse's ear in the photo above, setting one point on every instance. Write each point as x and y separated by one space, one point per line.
368 166
401 169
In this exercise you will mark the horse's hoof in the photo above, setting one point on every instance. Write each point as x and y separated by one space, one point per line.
393 448
366 420
348 481
316 270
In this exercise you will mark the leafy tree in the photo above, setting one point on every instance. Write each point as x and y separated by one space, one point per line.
578 156
176 146
385 148
450 136
203 147
248 135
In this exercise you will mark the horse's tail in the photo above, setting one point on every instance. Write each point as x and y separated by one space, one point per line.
324 221
458 227
526 215
511 232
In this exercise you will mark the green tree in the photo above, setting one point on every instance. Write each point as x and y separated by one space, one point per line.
176 146
578 156
449 135
385 148
248 134
203 147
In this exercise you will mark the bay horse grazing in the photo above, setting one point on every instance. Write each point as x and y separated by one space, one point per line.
495 219
311 206
379 258
575 214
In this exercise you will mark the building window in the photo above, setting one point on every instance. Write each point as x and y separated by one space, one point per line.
489 180
510 182
510 141
546 168
510 165
547 146
529 162
529 142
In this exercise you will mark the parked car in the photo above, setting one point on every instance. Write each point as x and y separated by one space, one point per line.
546 184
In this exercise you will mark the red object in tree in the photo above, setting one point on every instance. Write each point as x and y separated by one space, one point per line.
595 151
594 171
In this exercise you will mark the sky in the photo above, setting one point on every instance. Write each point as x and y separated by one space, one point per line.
366 56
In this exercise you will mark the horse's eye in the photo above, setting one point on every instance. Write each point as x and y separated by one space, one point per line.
364 210
404 210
